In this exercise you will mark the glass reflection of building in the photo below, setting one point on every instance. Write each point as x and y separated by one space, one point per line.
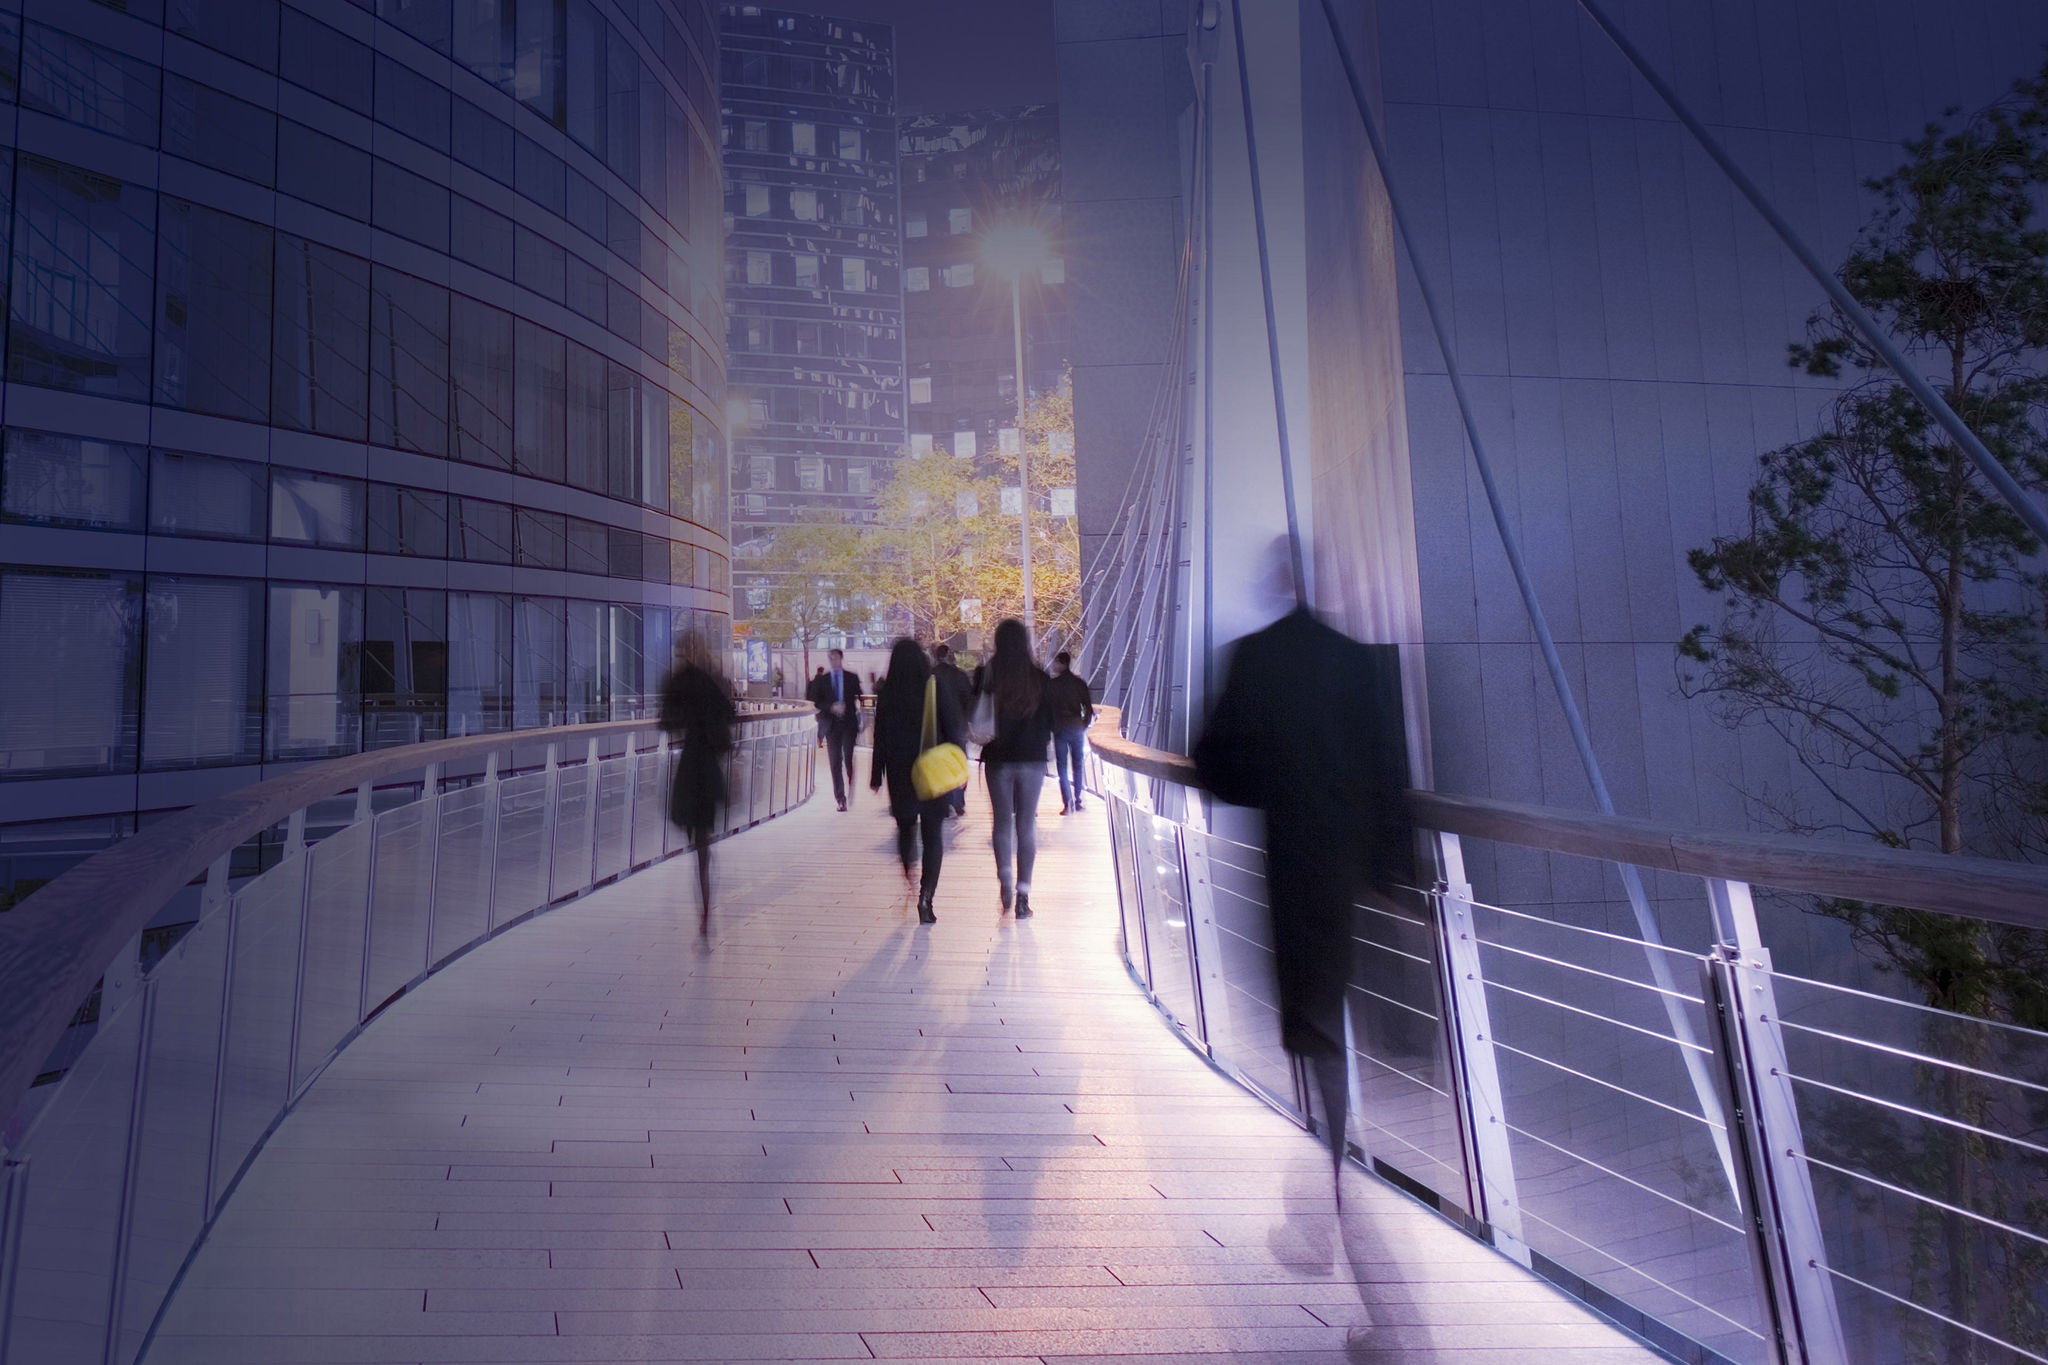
363 385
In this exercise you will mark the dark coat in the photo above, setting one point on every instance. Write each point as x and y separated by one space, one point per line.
820 696
899 739
1025 737
696 710
1309 730
954 678
1072 707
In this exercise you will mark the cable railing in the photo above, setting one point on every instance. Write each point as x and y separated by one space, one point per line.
392 863
1528 1067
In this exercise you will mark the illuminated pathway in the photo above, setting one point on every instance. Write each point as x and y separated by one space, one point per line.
830 1134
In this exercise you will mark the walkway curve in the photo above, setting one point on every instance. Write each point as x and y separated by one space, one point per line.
824 1134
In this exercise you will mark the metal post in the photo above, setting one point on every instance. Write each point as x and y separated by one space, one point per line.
430 845
1210 991
490 854
362 816
1488 1152
593 801
124 1235
215 900
550 806
13 1205
1791 1251
1023 453
297 851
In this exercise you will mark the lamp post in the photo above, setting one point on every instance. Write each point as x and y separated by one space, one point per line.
1013 249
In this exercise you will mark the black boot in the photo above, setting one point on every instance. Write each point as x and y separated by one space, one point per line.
924 909
1023 905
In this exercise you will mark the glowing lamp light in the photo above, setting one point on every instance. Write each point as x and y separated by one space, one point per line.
1015 249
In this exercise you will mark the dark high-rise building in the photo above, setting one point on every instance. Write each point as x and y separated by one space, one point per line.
362 385
965 175
814 291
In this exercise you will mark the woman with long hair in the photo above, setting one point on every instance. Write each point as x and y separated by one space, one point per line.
698 713
1015 687
899 737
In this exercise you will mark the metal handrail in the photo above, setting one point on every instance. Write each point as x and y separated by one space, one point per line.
1976 888
59 941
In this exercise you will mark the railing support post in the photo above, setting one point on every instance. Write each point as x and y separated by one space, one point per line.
1483 1112
13 1203
124 1233
215 901
550 805
1212 999
491 800
1791 1254
364 816
430 848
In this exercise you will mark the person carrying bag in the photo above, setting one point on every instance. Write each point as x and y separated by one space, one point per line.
918 732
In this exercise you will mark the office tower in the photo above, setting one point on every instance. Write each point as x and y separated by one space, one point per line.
963 175
362 387
814 301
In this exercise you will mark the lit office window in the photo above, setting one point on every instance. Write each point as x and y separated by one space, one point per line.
316 509
806 271
408 521
756 200
917 279
963 445
754 504
809 338
803 139
803 205
853 274
82 289
754 135
920 443
68 651
959 221
853 208
405 666
320 340
760 471
810 473
482 366
914 224
760 268
858 480
205 495
849 144
1053 271
921 389
757 411
203 695
312 702
1007 442
959 276
479 663
56 480
213 314
539 661
408 362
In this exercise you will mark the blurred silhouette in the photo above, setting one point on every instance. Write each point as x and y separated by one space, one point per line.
900 736
698 713
954 679
1015 687
1073 711
836 692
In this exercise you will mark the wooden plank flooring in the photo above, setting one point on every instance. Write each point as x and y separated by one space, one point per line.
826 1133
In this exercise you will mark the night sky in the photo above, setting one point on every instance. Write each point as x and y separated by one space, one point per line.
960 54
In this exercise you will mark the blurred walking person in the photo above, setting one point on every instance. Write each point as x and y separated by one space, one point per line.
836 693
699 715
913 716
1013 706
1073 711
954 678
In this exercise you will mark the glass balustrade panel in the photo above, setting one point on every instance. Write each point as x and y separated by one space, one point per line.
337 901
575 810
614 810
462 871
524 840
1163 896
263 988
1250 1015
650 807
398 910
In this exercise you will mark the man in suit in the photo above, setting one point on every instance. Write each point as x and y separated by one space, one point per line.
836 693
954 679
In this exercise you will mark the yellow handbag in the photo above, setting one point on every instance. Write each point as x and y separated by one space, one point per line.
940 769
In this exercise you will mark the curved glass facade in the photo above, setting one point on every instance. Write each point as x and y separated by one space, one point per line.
362 384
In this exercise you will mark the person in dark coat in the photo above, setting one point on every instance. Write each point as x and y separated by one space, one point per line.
1073 711
1015 760
836 692
1309 730
899 738
700 717
953 678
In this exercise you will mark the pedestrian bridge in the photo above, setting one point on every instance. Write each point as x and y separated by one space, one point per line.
455 1078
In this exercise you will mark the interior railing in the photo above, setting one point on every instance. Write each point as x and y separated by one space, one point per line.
1736 1162
383 867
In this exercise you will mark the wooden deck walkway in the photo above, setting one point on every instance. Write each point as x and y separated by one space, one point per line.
826 1134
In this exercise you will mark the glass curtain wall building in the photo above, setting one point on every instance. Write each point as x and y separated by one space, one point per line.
814 290
362 385
964 174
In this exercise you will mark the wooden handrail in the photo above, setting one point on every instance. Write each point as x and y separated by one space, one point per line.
1975 888
58 942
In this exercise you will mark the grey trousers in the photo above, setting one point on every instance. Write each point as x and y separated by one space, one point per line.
1013 798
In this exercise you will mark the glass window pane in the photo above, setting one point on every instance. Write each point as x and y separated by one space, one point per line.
215 129
408 521
426 20
483 531
87 84
623 465
587 288
586 675
482 359
589 547
81 298
409 205
314 647
540 265
625 552
203 696
479 663
324 61
586 206
405 666
540 433
68 651
411 103
585 83
316 509
483 142
244 29
679 463
589 418
213 283
408 362
622 109
323 170
539 636
483 39
540 176
482 237
624 662
541 539
205 495
60 480
537 58
320 340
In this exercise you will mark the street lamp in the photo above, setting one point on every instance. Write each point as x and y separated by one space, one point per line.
1017 249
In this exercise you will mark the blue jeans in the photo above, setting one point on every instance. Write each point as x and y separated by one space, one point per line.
1013 798
1068 747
